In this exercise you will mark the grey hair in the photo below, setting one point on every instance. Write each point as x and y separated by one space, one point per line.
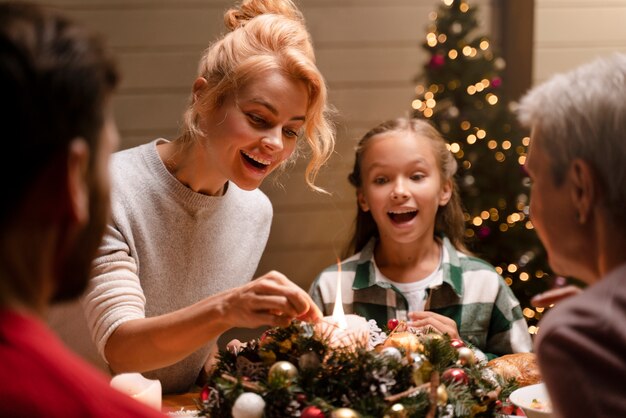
582 114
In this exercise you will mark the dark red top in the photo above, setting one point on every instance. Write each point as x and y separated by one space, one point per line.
40 377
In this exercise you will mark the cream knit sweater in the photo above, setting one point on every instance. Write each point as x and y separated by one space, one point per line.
168 247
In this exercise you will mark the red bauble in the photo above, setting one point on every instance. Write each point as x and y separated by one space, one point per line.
455 375
392 324
437 61
204 395
312 412
456 343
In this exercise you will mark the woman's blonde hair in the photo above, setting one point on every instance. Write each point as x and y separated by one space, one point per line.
266 35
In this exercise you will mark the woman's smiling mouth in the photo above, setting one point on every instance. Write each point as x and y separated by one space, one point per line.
256 161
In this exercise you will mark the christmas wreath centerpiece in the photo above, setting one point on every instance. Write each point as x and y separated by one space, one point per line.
297 372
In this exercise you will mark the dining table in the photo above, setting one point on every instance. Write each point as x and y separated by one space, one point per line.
182 404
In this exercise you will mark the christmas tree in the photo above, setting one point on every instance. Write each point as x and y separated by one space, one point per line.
460 91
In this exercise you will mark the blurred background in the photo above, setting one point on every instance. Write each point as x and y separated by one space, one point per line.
381 59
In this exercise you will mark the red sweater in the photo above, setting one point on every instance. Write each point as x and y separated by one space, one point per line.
39 377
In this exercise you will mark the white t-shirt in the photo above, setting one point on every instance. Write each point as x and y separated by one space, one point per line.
414 292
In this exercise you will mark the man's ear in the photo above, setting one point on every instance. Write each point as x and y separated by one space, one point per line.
446 193
77 187
584 188
360 197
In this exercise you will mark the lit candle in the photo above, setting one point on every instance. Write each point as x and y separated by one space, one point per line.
136 386
344 331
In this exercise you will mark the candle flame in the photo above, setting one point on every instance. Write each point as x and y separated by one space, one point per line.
338 315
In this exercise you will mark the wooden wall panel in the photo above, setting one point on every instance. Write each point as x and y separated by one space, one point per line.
571 32
369 51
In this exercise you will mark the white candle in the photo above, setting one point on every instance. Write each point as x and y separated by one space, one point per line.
355 333
136 386
344 331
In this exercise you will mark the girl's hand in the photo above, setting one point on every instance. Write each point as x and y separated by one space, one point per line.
552 296
272 300
439 323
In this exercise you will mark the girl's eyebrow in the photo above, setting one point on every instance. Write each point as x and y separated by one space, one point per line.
416 161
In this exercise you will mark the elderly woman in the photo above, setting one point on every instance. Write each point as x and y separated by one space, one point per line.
576 162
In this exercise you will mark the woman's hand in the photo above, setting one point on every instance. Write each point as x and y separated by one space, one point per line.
272 300
150 343
552 296
439 323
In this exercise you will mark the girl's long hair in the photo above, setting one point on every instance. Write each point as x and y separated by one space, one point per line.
449 220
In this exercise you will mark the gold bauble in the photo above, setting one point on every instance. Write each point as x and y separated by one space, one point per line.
466 356
422 369
442 395
344 413
282 371
405 340
397 410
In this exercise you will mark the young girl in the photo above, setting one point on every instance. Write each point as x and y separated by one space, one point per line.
409 261
189 224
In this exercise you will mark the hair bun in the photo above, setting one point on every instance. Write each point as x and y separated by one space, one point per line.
237 17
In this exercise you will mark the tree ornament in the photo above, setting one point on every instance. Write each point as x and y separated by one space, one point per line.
248 405
405 340
344 413
437 61
442 395
456 343
455 375
483 232
391 353
466 356
397 410
422 371
312 412
309 361
205 394
282 371
392 324
417 359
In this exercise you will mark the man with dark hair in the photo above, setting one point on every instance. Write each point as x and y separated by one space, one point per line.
58 132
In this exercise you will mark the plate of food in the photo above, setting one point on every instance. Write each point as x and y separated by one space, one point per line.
533 400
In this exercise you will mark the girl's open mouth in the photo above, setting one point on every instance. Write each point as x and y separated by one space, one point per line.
402 217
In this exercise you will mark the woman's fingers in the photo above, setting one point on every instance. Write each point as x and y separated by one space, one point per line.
274 300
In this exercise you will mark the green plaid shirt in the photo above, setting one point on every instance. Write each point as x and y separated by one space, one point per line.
486 312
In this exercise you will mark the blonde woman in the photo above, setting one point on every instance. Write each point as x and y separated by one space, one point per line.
189 223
